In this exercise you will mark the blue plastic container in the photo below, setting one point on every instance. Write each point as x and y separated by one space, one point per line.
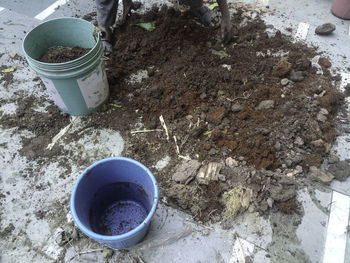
108 185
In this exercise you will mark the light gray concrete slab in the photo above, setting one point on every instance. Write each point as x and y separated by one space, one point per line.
26 7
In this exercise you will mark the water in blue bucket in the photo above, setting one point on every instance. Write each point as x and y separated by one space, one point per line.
118 208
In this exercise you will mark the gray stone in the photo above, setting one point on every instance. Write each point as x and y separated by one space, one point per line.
208 173
333 159
296 76
320 176
299 169
321 117
324 111
299 141
222 177
318 143
237 107
186 171
270 202
340 170
107 253
277 146
266 104
203 96
325 29
284 82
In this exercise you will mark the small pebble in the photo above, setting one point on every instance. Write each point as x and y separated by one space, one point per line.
107 253
325 29
284 82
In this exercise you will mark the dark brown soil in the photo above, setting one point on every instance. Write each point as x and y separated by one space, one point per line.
59 54
218 102
288 207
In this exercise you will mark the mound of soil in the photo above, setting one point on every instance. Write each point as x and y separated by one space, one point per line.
256 113
59 54
259 100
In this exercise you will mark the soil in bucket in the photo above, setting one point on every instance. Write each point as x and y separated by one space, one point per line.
118 208
60 54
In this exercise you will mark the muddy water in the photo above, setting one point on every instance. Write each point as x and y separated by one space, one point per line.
118 208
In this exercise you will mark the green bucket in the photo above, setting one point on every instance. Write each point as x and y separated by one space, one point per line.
77 87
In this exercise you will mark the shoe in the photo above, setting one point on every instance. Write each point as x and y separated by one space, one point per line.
206 16
106 38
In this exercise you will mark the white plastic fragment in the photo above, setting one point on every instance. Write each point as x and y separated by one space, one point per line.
61 133
162 122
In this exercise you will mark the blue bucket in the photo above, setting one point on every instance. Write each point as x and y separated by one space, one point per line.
114 200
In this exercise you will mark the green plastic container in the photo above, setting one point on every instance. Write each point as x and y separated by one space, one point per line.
80 86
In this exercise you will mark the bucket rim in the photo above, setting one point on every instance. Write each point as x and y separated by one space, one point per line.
92 49
133 232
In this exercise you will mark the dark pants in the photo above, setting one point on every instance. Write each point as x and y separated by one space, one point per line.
107 10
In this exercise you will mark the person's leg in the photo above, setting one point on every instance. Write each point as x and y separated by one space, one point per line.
203 13
106 16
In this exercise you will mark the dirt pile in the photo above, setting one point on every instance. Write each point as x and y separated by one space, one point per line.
263 100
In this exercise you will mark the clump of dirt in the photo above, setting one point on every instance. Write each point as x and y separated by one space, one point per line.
60 54
255 110
288 207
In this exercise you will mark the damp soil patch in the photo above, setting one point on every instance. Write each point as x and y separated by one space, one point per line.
60 54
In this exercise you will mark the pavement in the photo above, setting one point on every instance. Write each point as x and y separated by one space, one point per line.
320 235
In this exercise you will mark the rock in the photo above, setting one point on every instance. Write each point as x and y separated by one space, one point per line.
320 117
203 96
236 200
266 104
324 62
237 107
299 169
216 114
270 202
284 82
303 64
333 159
230 162
75 234
222 177
209 172
61 239
320 176
282 68
186 172
340 170
282 190
318 143
205 232
296 76
299 141
325 29
277 146
251 208
107 253
324 111
189 117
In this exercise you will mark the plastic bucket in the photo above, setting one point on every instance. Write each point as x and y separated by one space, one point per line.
341 8
106 205
80 86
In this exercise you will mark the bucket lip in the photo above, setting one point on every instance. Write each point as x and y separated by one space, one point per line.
129 234
62 63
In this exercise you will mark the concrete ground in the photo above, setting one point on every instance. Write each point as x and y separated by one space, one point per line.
321 235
